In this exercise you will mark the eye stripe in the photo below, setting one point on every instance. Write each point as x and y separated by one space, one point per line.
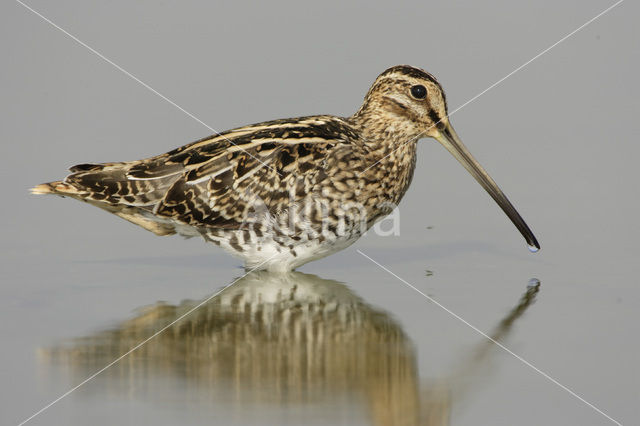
396 103
437 121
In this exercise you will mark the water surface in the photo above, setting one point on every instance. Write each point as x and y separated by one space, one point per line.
344 341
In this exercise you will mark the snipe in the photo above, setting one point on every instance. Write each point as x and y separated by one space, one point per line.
282 193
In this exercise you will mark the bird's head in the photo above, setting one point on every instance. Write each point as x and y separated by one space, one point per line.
405 104
407 101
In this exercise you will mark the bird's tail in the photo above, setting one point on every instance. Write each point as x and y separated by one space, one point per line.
133 214
58 188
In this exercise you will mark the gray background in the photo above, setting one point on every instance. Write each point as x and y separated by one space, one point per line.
560 137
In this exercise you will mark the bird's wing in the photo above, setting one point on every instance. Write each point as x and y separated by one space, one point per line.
220 181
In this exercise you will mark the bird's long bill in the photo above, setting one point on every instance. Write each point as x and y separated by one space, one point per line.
450 140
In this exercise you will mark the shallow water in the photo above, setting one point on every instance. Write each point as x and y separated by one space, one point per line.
344 341
289 345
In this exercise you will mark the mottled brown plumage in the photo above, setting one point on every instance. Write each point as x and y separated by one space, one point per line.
282 192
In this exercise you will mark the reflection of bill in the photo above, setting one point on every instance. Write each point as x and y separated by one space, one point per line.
279 339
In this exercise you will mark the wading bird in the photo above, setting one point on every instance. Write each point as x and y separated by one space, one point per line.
282 193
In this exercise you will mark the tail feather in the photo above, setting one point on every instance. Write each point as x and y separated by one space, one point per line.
130 213
58 187
108 187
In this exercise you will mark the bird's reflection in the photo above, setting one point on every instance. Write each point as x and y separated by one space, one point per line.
281 339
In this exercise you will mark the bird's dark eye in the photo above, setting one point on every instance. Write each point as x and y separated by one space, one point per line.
419 91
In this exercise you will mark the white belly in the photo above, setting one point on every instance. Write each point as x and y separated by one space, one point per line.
272 256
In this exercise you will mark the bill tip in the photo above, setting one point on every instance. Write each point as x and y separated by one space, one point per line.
534 249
